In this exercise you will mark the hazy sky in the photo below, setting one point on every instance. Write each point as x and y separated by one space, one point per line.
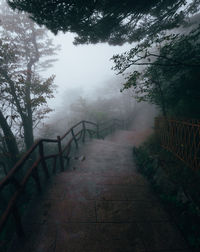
83 66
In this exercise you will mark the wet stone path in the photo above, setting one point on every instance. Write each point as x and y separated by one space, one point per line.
100 204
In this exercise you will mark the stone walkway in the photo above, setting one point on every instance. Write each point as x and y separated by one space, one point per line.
101 204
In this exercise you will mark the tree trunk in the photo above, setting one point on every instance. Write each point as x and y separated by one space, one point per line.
28 118
28 132
10 140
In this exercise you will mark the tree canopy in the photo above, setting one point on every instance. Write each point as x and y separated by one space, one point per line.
164 65
115 22
169 74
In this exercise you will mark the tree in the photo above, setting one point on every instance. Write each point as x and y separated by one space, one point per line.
23 92
7 59
146 86
163 47
170 78
115 22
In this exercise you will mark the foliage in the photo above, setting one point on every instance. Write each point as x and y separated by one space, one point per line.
115 22
170 72
168 62
25 50
176 185
104 108
173 50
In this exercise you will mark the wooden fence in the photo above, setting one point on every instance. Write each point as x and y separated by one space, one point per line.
182 138
36 159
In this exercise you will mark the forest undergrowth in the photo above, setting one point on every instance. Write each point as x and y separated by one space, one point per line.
176 185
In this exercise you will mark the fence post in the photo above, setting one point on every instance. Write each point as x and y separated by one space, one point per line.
54 164
60 153
126 123
83 124
112 127
115 125
98 136
67 155
73 135
19 227
44 165
37 179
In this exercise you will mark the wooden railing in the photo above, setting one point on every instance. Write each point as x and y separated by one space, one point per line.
108 127
182 138
37 156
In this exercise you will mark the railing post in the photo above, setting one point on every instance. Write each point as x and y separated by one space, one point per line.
44 165
67 154
127 124
60 153
83 124
37 179
73 135
112 127
19 227
98 136
54 164
124 124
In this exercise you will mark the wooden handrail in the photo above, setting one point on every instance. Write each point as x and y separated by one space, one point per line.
11 177
18 165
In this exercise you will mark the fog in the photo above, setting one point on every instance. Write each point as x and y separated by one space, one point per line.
87 87
84 75
82 67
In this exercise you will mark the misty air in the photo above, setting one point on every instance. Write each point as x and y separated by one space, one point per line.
99 126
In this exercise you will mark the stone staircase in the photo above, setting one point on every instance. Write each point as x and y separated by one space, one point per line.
100 204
